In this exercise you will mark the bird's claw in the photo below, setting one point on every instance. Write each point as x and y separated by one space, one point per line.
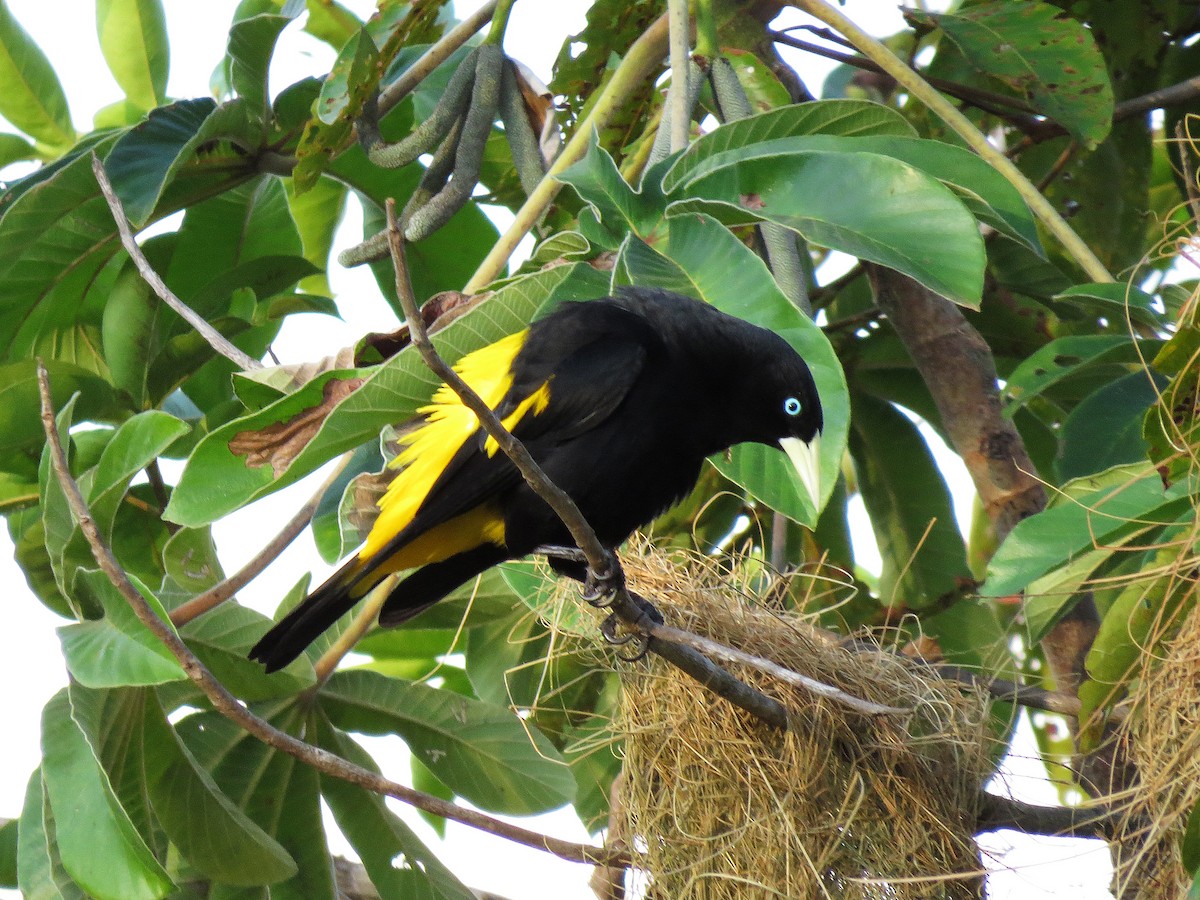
600 589
640 639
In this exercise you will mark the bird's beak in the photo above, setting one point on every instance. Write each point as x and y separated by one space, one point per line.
807 460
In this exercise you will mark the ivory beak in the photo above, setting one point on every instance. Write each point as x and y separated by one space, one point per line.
807 460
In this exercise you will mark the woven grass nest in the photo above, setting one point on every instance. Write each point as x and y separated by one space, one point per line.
1162 736
719 805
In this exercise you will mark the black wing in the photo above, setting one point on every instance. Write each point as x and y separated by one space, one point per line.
591 354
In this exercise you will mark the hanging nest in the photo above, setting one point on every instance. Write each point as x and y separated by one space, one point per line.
1162 741
839 805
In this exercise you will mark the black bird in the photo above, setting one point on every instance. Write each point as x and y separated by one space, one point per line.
619 400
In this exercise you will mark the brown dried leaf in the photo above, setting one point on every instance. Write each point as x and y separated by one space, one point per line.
539 107
437 312
279 444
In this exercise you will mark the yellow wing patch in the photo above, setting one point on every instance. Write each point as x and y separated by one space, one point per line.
429 449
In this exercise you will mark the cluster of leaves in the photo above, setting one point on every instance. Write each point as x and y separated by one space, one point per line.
143 789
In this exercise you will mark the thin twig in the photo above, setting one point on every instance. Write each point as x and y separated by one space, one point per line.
219 593
732 654
214 338
1099 821
229 706
434 57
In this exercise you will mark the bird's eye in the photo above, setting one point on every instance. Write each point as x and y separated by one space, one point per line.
791 406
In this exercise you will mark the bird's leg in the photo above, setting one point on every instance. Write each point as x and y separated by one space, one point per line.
639 628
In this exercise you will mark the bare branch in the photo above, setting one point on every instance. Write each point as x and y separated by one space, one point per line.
219 593
214 338
227 705
1099 821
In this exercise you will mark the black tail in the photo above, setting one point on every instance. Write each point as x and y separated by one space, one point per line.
350 583
320 609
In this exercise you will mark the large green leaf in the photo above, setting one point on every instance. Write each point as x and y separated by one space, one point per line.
151 154
248 57
870 206
31 96
20 421
1050 58
482 752
1114 301
276 791
40 872
1069 357
378 835
987 193
702 259
828 117
133 38
317 213
100 847
118 650
924 558
209 829
1105 429
1092 512
215 481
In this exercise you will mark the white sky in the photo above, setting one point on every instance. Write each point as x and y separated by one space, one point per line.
31 665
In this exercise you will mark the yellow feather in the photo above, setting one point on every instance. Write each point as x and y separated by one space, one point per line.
429 449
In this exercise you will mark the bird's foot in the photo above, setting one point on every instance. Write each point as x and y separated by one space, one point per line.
638 635
600 589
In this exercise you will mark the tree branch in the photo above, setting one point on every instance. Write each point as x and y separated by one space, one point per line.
219 593
229 706
214 338
1099 821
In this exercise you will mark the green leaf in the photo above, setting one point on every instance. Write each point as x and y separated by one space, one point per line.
848 118
704 260
483 753
20 420
1105 429
149 156
343 88
191 560
118 650
1092 512
8 854
317 213
31 96
40 872
14 148
248 56
1066 357
211 832
834 200
989 195
399 864
1114 301
215 481
618 207
133 38
1189 851
924 557
100 847
277 791
1042 54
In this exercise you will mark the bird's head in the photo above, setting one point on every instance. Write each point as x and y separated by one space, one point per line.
779 406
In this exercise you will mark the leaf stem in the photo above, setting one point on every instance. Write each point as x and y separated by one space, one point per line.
679 96
919 88
499 22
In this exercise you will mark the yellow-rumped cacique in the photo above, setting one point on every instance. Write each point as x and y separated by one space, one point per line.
619 400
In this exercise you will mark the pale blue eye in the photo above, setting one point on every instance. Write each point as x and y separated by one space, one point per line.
791 406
